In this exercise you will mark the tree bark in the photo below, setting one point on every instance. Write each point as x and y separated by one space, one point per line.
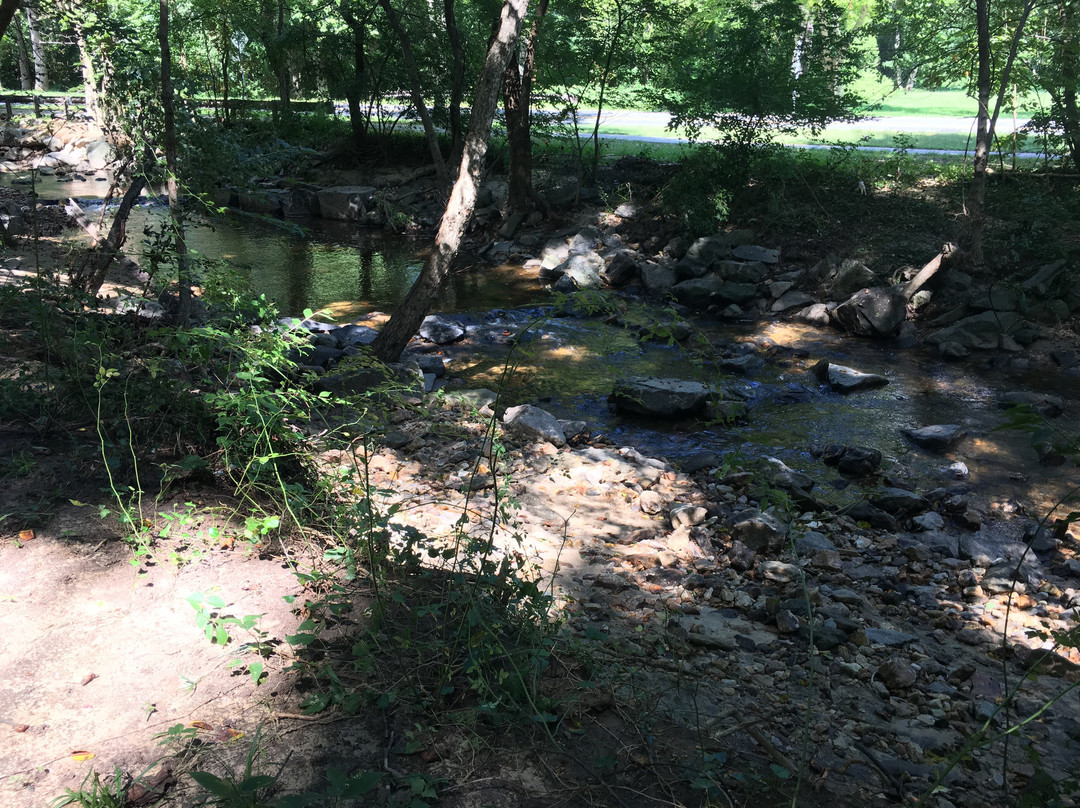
90 96
620 20
1066 101
987 120
26 72
457 80
396 334
418 93
354 88
37 51
7 12
517 100
90 273
180 242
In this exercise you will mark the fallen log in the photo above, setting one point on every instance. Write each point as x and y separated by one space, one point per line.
89 273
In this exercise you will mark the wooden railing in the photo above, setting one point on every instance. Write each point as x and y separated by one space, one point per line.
70 103
41 101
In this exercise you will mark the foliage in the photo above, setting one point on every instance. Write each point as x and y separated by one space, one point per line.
748 69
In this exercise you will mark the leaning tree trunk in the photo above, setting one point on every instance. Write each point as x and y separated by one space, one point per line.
418 93
89 274
396 334
7 11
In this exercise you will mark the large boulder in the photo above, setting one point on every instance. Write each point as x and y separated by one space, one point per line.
589 239
583 269
980 331
656 278
761 532
99 153
660 398
708 250
1044 279
850 277
698 292
876 312
622 270
533 423
345 202
739 293
440 330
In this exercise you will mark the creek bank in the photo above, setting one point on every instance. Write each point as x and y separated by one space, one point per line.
695 574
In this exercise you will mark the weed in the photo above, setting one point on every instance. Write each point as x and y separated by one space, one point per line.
21 464
93 793
245 790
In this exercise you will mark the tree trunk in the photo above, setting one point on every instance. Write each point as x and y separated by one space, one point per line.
90 273
183 276
457 80
417 93
604 77
354 90
37 50
7 12
226 54
90 96
517 99
284 77
987 121
26 72
396 334
1070 77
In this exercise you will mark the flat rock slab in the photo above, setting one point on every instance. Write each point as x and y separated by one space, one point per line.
750 252
661 398
843 379
936 438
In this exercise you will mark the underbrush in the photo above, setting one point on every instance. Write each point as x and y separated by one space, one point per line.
390 620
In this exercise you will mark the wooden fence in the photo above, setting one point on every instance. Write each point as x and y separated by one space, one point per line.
72 103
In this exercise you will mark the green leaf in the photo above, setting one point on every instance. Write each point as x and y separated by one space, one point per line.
252 785
315 703
361 784
215 785
256 671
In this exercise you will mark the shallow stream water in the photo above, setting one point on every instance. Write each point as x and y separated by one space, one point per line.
568 365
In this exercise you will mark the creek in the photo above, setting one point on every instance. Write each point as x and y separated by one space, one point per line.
567 365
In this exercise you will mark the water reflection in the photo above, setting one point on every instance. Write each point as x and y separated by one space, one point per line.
336 266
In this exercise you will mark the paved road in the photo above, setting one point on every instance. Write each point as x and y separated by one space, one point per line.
915 124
